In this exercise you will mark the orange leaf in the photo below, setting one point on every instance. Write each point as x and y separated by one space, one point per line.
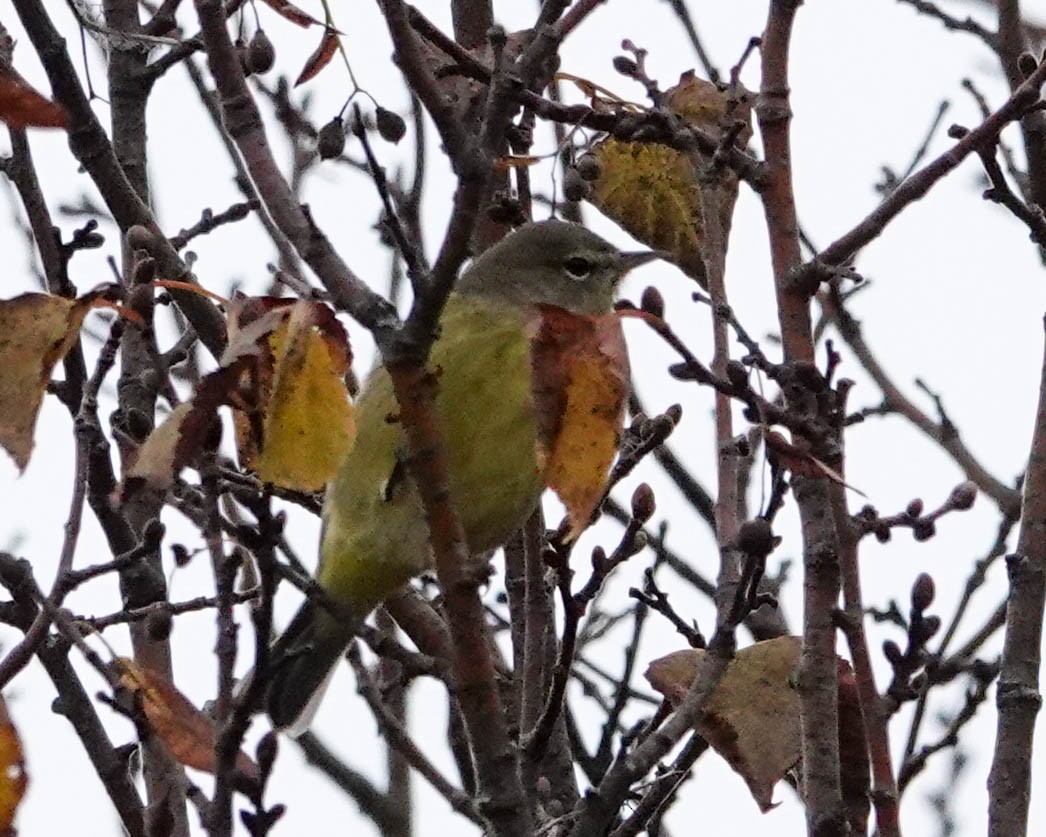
187 732
13 777
22 107
291 12
752 716
36 331
580 383
321 57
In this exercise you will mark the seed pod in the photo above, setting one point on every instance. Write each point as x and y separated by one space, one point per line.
390 125
261 53
575 187
589 167
331 140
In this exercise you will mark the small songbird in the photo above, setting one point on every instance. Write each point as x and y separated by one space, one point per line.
375 537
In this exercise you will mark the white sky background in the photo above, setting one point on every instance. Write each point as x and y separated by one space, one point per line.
958 299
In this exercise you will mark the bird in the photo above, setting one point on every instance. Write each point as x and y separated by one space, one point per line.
374 534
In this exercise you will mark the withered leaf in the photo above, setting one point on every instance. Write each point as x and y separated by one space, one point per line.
22 107
580 373
752 716
321 57
36 332
13 776
187 732
288 10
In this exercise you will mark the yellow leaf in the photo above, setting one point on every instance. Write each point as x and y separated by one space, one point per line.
36 331
580 374
752 716
187 732
308 422
666 198
13 777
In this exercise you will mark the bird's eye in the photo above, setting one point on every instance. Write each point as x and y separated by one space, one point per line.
578 267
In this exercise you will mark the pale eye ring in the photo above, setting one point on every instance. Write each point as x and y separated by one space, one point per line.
578 267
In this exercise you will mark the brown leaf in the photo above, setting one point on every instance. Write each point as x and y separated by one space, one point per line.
292 13
187 732
321 57
22 107
13 776
752 716
580 383
178 441
801 463
36 331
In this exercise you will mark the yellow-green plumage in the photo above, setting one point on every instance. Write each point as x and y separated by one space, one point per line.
375 535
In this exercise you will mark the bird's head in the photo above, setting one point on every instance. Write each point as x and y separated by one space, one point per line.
552 263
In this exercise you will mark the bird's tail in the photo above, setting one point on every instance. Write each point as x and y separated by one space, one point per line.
301 662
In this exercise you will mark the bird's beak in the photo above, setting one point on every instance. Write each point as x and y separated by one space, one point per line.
630 261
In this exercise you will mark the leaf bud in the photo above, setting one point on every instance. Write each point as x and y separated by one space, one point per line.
331 140
756 537
929 626
923 530
915 508
266 752
882 533
140 238
181 555
892 652
158 625
643 504
652 302
1027 64
575 187
390 125
589 167
963 495
923 591
737 374
675 413
625 65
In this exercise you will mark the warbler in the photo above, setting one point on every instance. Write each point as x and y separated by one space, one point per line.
375 536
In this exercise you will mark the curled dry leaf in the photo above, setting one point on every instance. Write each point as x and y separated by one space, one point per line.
580 379
187 732
801 463
22 107
13 776
752 716
288 10
321 57
672 200
36 332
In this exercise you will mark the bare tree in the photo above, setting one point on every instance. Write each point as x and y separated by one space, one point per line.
545 738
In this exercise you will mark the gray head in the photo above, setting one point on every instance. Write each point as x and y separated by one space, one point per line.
555 263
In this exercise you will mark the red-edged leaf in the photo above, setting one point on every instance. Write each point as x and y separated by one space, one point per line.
292 13
321 57
22 107
580 383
